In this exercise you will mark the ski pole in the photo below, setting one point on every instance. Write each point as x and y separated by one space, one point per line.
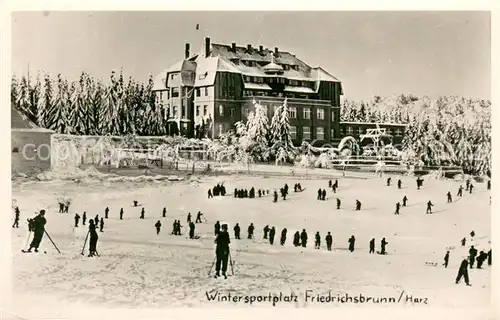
85 243
231 263
27 241
210 271
52 241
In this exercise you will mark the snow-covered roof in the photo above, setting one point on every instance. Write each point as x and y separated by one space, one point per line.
320 74
19 122
257 86
207 68
299 89
160 81
374 123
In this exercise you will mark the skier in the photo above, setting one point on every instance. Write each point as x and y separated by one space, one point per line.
61 207
463 272
216 228
330 184
336 184
135 203
471 187
286 188
489 258
446 259
481 258
84 217
275 199
266 230
158 226
351 241
77 219
338 203
463 242
320 193
106 211
191 230
250 231
383 243
198 217
329 241
210 195
93 239
488 185
142 213
121 214
101 225
317 242
450 200
400 183
283 236
272 233
429 207
398 206
222 251
66 207
303 238
460 190
296 239
358 205
299 187
388 181
334 188
467 184
472 256
179 226
323 195
174 228
404 201
237 231
372 245
188 220
39 229
16 219
96 220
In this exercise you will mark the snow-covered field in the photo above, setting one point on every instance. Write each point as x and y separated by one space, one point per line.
138 268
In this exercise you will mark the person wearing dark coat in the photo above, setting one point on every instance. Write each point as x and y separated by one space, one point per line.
158 226
142 213
31 226
283 193
323 195
383 243
481 258
222 251
472 256
488 185
266 230
358 205
96 220
296 239
272 233
188 219
101 225
330 184
467 184
84 217
299 187
245 193
77 219
121 214
283 236
192 226
472 233
286 188
61 207
260 193
235 193
39 229
250 230
372 245
338 203
164 212
16 219
135 203
398 206
216 228
351 241
303 238
179 226
252 193
210 195
389 181
463 242
399 183
334 188
471 187
237 231
174 228
429 207
489 258
460 191
463 272
93 239
198 217
317 241
222 190
405 199
446 259
106 212
336 184
450 200
275 198
320 193
329 241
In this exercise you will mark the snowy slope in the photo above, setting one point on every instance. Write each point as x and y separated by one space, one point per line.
141 269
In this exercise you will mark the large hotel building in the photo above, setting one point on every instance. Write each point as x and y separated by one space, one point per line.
208 92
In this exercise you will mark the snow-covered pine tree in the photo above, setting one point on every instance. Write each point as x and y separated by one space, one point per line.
111 106
79 104
23 102
59 112
96 93
14 92
34 98
258 131
282 145
45 104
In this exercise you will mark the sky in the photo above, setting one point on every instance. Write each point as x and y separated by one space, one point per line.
373 53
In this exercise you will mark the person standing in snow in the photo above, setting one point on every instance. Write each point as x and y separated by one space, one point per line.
323 195
96 220
329 241
106 212
405 199
317 241
251 228
398 206
266 230
338 203
383 243
272 233
489 258
237 231
296 239
320 193
164 212
471 187
192 227
472 256
446 259
101 225
158 226
463 242
460 191
39 229
358 205
216 228
283 236
222 251
429 207
93 239
351 241
121 214
275 196
481 258
389 181
467 185
77 219
372 246
84 217
142 213
16 218
450 200
303 238
463 272
399 183
188 220
198 217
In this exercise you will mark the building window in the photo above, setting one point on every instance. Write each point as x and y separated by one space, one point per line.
205 110
320 133
333 116
360 131
292 111
197 111
172 76
174 111
293 132
320 114
198 92
389 131
206 91
221 110
231 112
307 113
398 132
221 129
224 92
306 133
231 91
332 133
175 92
349 130
184 111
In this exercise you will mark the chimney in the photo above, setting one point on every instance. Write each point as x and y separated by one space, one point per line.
249 47
233 47
186 52
207 47
275 51
261 49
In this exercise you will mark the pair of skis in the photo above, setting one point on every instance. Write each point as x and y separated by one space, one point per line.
48 236
230 263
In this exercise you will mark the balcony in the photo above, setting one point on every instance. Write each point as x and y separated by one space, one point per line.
316 102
